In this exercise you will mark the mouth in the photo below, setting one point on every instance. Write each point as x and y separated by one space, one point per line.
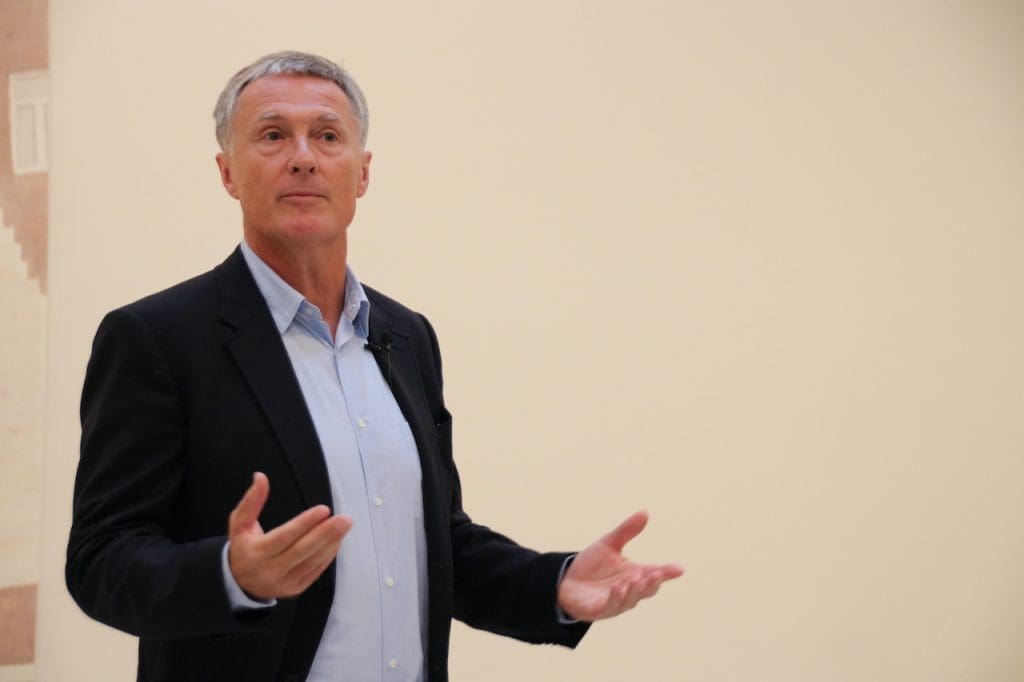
302 195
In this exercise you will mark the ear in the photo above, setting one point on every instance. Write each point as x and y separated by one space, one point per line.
224 164
364 180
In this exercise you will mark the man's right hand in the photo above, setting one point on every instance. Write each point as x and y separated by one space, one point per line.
285 561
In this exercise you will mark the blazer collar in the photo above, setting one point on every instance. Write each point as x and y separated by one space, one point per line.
401 364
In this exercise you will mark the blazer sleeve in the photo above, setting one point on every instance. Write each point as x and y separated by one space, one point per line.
499 585
125 567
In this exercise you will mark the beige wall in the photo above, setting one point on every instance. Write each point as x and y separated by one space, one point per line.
755 269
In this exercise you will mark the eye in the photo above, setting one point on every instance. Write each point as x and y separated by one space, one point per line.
330 136
273 135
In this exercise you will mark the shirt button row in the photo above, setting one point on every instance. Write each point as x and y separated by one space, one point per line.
390 582
393 663
378 500
361 423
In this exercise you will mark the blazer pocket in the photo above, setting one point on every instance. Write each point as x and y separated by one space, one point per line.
449 478
444 436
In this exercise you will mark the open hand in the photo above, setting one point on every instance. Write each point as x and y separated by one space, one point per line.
601 583
285 561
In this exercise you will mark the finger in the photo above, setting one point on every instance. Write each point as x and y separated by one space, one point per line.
663 573
648 587
278 540
617 599
329 532
632 599
642 588
650 590
247 511
670 571
303 574
656 576
626 531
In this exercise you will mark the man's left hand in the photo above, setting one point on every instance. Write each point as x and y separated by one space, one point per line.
601 583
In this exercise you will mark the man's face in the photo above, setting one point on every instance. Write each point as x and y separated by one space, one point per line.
294 162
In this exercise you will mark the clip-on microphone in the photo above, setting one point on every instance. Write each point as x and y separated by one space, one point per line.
382 352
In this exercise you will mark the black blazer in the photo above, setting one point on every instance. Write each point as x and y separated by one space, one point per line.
187 393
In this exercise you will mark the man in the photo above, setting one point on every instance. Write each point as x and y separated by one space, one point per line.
279 367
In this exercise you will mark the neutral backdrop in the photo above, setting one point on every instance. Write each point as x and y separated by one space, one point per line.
753 266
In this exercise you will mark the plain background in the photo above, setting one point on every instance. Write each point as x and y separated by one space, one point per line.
755 267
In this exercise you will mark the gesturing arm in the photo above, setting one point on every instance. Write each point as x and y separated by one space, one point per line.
126 566
145 549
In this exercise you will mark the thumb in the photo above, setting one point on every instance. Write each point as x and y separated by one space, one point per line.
247 512
626 531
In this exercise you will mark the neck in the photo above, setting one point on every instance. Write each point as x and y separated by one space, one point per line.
315 271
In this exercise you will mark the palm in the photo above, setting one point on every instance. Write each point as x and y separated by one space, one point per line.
602 583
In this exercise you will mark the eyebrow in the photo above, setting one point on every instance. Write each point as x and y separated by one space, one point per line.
275 116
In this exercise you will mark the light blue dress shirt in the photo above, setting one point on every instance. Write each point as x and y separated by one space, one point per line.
376 629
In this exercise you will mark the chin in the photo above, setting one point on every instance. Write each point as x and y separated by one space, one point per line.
312 232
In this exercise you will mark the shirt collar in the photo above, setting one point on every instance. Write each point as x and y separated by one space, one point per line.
285 302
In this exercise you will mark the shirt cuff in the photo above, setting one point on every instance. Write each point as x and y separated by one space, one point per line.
236 595
563 617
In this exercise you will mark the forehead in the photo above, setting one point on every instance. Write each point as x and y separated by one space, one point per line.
291 95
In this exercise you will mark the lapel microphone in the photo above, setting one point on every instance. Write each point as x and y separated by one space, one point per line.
382 353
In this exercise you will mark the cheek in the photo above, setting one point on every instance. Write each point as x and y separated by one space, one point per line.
252 190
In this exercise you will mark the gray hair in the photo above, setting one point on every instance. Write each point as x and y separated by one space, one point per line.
299 63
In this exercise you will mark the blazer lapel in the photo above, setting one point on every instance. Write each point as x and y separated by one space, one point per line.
408 392
254 342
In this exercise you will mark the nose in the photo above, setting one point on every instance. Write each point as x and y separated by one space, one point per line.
302 160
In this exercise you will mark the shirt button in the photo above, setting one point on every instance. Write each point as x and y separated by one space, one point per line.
393 663
361 423
390 582
377 500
